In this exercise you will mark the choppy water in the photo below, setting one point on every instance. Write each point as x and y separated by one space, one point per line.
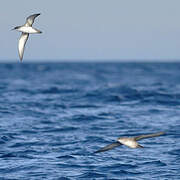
54 116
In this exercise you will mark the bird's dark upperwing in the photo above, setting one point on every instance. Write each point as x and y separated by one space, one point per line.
148 136
30 19
109 147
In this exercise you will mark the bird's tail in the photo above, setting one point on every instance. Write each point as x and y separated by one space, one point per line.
37 31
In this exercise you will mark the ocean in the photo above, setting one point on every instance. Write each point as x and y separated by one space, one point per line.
54 116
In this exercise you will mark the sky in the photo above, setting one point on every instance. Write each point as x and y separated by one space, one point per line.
85 30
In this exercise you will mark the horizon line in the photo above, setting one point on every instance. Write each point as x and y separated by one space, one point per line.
91 60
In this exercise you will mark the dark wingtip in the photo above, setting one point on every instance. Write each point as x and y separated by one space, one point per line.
109 147
98 151
161 133
21 58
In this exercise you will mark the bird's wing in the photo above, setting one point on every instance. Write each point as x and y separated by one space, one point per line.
109 147
148 136
21 45
30 19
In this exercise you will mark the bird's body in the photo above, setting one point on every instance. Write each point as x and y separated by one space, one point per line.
29 30
130 142
26 29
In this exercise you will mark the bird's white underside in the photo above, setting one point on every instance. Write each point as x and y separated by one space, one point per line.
29 30
128 142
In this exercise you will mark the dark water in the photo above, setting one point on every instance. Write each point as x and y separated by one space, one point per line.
54 116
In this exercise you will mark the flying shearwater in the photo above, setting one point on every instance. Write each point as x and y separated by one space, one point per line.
26 29
131 142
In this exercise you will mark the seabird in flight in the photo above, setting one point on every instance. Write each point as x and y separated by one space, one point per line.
131 142
26 29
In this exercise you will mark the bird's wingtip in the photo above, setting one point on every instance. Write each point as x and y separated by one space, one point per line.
162 133
21 58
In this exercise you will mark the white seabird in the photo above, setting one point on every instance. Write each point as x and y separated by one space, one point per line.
26 29
131 142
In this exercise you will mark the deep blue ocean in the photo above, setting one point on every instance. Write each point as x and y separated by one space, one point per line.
53 116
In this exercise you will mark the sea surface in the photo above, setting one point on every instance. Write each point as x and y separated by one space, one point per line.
54 116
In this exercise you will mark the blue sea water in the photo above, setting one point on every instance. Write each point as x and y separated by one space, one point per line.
54 116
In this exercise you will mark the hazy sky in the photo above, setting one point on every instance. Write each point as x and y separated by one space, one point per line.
93 29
